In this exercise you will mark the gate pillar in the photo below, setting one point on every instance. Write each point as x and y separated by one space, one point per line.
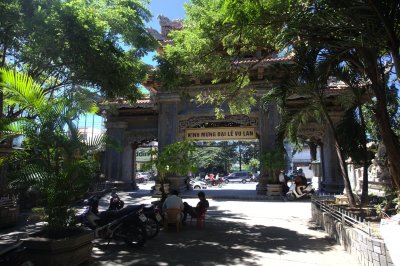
115 159
167 118
168 128
332 181
269 120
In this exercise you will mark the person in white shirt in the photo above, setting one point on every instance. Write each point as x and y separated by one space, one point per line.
173 201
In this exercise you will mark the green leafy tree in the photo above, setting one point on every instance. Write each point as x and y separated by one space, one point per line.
206 157
174 159
227 155
55 158
364 35
273 161
254 164
68 44
352 130
218 34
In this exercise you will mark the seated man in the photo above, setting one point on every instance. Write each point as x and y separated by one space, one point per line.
172 202
195 211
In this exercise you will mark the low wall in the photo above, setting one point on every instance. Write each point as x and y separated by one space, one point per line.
368 250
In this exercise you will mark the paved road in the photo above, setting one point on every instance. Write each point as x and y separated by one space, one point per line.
237 232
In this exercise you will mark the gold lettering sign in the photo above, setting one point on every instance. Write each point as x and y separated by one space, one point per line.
220 133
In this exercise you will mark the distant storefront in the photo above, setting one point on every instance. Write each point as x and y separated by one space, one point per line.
143 155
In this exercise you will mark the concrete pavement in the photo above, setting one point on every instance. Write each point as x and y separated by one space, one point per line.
241 228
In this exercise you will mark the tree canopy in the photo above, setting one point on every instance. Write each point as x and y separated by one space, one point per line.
363 35
65 44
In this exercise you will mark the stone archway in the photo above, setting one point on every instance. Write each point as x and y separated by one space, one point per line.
133 142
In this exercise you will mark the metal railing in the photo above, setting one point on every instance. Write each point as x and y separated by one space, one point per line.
347 218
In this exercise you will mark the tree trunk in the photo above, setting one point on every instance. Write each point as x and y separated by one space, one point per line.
388 137
377 76
364 194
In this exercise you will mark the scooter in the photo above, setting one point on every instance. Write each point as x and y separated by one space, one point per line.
127 224
152 213
298 191
154 220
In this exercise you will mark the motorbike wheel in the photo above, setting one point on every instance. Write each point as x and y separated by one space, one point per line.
290 196
135 235
152 227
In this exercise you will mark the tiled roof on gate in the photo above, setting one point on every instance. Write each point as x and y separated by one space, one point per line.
145 102
265 60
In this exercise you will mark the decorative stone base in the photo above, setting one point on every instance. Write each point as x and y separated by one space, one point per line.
70 251
177 183
274 190
157 190
261 189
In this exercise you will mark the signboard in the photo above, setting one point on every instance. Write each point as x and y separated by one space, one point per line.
220 133
143 154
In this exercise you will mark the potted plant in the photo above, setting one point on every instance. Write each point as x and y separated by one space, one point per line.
173 162
272 163
57 161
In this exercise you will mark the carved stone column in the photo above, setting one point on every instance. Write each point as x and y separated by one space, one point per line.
114 159
168 129
269 120
332 181
167 119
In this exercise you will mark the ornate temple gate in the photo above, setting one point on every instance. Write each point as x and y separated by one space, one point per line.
165 116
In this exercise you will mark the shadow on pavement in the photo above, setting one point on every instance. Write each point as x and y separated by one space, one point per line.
221 242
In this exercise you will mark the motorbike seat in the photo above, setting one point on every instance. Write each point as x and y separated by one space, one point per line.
110 215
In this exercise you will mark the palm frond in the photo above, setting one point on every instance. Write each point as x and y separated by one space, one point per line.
21 90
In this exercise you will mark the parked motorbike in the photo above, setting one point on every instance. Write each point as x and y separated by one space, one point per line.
154 220
127 224
297 191
151 212
215 183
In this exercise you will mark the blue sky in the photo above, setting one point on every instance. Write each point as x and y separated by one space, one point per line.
173 9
